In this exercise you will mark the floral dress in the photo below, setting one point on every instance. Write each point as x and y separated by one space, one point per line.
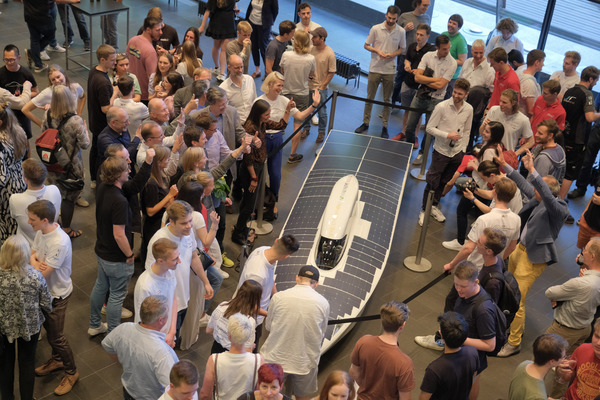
11 181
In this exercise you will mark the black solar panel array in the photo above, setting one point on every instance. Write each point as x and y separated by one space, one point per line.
380 167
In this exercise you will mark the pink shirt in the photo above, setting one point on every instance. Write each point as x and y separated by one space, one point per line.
142 61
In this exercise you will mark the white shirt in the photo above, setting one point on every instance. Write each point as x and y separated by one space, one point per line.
296 69
297 321
258 269
442 68
186 246
150 284
516 126
236 373
45 96
482 75
165 395
19 202
388 42
137 112
566 82
242 97
511 44
530 88
218 323
445 119
54 249
504 220
278 107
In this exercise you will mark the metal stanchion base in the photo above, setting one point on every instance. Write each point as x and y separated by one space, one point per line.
264 229
410 263
416 173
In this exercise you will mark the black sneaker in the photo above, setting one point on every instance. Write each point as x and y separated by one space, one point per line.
575 193
86 46
570 220
384 133
363 128
294 158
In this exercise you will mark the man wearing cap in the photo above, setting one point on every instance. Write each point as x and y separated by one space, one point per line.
297 321
326 68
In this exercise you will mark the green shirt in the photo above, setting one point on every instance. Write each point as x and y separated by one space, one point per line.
458 45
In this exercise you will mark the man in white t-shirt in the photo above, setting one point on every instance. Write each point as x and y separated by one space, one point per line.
260 267
160 280
240 87
137 111
297 350
179 230
51 254
568 77
306 24
500 217
386 41
530 88
34 173
517 127
184 382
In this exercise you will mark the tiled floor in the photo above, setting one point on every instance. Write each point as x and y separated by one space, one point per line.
100 377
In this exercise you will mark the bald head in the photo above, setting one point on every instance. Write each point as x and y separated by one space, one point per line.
235 65
117 119
158 111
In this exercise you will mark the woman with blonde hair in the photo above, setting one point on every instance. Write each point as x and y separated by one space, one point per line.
24 295
74 137
13 147
272 88
298 66
164 65
56 76
156 196
517 127
338 386
188 62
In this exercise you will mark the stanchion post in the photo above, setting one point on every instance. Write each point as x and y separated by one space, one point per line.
420 173
332 111
418 263
261 227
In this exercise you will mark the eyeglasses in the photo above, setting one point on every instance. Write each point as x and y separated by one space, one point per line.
10 60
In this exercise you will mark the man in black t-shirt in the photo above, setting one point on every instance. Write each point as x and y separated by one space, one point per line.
452 375
169 39
277 46
12 77
100 98
578 102
114 239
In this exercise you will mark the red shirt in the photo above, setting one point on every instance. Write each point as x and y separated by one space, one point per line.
542 111
510 80
586 385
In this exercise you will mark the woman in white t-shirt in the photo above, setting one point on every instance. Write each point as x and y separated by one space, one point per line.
298 66
272 88
517 127
56 76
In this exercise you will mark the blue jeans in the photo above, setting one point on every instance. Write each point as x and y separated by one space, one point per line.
63 11
413 117
399 78
113 277
40 36
323 111
274 140
216 280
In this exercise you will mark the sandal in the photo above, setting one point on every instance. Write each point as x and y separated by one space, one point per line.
74 234
251 236
256 75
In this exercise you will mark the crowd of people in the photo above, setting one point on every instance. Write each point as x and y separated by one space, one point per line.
170 153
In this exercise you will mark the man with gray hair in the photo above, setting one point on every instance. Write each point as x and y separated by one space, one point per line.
115 132
297 350
237 368
141 349
545 215
240 87
197 91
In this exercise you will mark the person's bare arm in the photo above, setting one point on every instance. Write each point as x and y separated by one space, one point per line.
326 81
425 395
524 147
592 116
461 59
269 65
209 380
464 252
354 372
122 242
510 248
405 395
80 104
196 266
28 111
481 344
434 83
173 328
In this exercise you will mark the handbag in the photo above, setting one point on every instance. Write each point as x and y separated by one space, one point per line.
205 259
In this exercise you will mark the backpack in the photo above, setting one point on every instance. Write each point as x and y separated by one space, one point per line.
511 158
49 146
501 326
510 297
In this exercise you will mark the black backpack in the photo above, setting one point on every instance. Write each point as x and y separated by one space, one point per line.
510 297
501 326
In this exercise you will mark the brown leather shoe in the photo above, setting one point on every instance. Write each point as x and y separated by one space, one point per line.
50 366
66 384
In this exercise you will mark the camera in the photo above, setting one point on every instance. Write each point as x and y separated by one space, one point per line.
464 182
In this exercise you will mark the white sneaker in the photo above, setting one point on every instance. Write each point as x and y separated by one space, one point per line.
418 160
429 342
221 77
58 48
508 350
437 214
215 71
421 217
125 313
224 274
44 56
204 320
93 184
81 202
96 331
315 120
452 245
